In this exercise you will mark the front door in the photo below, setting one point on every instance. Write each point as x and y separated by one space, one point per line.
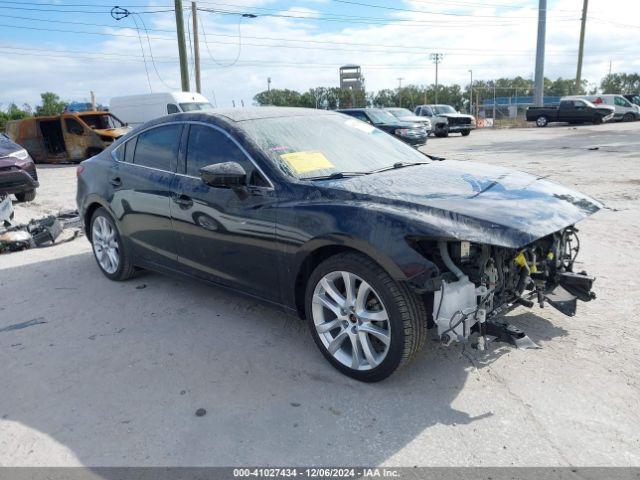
142 184
225 235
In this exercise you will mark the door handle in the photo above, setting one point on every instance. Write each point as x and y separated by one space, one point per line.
183 201
116 181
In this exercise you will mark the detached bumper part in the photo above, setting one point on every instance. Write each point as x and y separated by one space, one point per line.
571 288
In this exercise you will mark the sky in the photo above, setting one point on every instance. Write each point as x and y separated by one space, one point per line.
72 47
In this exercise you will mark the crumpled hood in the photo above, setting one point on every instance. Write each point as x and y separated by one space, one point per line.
472 201
113 132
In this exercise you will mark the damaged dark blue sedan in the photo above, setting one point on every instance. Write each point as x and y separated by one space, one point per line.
369 240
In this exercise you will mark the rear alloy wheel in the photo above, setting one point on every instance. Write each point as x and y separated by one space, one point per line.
108 249
364 323
28 196
542 121
628 117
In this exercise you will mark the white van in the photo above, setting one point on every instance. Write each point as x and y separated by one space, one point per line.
137 109
625 110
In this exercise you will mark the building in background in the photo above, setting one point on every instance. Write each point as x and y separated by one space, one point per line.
351 77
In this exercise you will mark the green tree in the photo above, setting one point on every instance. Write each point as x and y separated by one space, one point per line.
13 112
621 83
51 105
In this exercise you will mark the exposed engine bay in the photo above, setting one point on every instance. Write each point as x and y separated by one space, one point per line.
491 281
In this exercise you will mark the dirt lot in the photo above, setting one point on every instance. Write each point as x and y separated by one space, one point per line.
112 373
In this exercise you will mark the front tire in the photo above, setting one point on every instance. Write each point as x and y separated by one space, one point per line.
628 117
365 324
28 196
108 250
542 121
442 132
465 133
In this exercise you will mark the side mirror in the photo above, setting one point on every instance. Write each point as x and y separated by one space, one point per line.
224 175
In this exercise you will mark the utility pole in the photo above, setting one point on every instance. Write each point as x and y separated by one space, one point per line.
399 91
196 46
539 81
93 101
583 24
471 93
436 58
182 47
609 67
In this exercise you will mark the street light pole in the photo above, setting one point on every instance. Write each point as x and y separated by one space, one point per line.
399 91
436 58
539 81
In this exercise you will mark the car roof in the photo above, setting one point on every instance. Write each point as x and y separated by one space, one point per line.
254 113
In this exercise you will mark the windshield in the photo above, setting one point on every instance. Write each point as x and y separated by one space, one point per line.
102 121
312 146
190 107
400 112
381 116
440 109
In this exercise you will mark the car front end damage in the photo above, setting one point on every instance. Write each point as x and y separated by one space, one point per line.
483 282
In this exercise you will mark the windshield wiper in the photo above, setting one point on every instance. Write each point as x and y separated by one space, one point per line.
397 165
337 175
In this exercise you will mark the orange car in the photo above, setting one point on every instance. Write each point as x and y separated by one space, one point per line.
70 137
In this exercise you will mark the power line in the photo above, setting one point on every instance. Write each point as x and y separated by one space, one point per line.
385 48
398 9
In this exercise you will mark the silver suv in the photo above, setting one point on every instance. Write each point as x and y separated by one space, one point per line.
445 119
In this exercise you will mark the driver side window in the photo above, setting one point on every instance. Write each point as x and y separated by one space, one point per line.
207 146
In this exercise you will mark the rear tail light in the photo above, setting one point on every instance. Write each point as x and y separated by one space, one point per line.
79 171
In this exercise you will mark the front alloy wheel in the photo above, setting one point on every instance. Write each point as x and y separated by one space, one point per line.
364 322
351 320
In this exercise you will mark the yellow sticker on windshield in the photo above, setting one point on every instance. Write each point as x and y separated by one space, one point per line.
303 162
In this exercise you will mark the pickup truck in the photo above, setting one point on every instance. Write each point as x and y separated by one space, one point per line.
570 111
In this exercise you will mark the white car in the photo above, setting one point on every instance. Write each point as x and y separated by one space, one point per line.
138 109
624 109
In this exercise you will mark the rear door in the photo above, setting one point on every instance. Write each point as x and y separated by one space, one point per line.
225 235
142 184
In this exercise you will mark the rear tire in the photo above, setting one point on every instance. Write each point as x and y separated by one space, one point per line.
114 260
396 316
28 196
542 121
465 133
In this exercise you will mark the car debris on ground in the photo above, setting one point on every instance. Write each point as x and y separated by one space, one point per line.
43 232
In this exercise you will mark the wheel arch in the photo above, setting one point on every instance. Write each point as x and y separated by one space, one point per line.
319 251
89 210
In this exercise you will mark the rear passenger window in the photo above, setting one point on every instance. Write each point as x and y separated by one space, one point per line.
158 147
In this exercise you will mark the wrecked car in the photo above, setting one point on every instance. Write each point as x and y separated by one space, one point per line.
69 137
368 239
18 173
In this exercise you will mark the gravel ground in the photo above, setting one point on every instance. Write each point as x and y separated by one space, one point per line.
109 374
